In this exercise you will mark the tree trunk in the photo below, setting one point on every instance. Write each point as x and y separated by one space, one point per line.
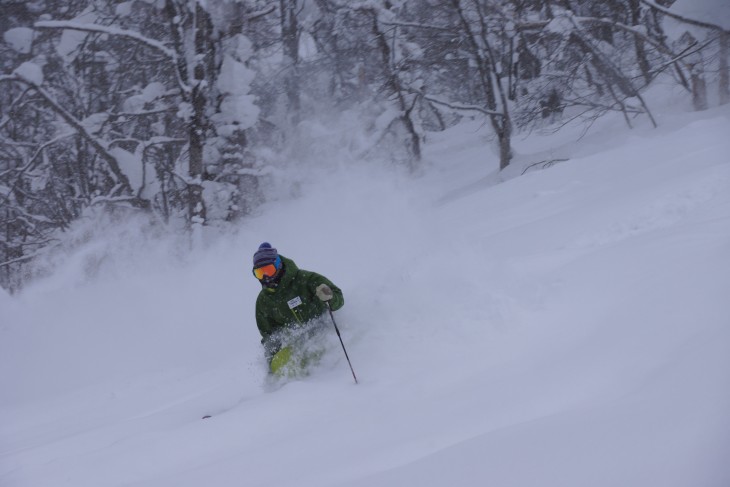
505 146
724 85
394 85
290 43
198 122
639 48
699 89
490 83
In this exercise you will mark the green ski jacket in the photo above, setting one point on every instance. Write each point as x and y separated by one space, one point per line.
292 303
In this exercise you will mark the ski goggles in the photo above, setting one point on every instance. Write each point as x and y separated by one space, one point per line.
268 270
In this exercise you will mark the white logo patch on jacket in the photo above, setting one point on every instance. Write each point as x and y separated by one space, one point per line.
293 303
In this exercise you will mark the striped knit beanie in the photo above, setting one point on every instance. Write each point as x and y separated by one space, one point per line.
265 255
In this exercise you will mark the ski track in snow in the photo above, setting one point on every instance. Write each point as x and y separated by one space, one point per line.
568 327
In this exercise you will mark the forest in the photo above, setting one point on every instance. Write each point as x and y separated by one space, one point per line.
180 110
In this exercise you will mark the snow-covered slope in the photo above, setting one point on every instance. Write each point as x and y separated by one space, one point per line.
568 327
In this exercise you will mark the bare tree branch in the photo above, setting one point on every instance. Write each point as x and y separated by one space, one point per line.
262 13
545 164
170 54
668 12
458 106
78 126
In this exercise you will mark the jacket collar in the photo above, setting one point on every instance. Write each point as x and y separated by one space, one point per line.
290 271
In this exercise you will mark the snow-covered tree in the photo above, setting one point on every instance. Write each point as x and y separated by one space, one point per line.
169 107
188 71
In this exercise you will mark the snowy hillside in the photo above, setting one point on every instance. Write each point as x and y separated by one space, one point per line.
567 328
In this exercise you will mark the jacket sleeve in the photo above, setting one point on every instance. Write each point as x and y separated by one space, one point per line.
268 338
314 280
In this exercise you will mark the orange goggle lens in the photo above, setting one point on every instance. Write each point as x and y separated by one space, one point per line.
267 270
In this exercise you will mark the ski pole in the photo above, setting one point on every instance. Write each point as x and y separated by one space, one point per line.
341 342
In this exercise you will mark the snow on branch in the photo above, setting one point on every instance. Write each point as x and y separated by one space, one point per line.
31 255
35 158
103 29
100 146
627 28
638 32
682 18
117 32
457 106
416 25
12 106
261 13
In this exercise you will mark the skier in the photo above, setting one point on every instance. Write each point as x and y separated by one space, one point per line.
289 308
